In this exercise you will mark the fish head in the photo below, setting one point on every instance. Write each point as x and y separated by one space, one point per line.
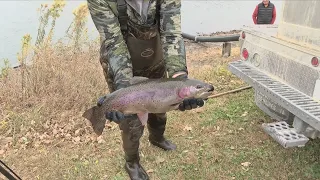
193 88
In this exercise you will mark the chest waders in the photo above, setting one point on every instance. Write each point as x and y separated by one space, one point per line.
144 44
146 53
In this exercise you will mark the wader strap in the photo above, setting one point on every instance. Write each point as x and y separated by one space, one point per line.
158 6
122 15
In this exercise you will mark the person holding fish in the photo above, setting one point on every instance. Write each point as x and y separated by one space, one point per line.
140 38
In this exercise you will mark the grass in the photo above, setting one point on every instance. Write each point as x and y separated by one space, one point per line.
43 136
222 140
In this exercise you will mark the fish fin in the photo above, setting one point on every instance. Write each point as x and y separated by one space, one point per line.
96 116
143 117
137 80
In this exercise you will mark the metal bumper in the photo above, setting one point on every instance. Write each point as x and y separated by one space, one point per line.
298 103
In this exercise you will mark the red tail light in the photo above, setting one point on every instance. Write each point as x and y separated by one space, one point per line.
315 62
245 53
243 35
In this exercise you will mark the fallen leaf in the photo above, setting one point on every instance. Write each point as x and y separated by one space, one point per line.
77 132
244 114
150 171
218 128
77 139
47 141
199 110
245 164
160 160
100 140
54 131
74 157
7 140
187 128
232 148
108 125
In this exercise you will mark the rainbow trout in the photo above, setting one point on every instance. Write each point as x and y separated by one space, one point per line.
145 96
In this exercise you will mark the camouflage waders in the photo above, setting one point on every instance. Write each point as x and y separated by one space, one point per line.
146 53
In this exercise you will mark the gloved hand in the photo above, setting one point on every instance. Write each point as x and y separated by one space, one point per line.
189 104
115 116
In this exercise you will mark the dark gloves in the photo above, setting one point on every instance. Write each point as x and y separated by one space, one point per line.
189 104
114 116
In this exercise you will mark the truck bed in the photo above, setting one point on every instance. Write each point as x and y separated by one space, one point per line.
282 60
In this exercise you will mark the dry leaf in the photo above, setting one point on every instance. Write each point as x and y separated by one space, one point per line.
244 114
77 139
160 160
108 125
100 140
77 132
150 171
7 140
199 110
47 141
218 128
54 131
187 128
245 164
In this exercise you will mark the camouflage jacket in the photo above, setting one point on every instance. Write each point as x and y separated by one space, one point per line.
114 48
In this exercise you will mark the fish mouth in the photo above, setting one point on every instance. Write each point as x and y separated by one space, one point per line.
206 92
205 95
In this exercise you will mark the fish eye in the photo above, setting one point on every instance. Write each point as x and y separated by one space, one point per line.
199 86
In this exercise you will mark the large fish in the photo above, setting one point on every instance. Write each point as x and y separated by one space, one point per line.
145 96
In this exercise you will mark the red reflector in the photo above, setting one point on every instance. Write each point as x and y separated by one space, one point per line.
245 53
243 35
315 62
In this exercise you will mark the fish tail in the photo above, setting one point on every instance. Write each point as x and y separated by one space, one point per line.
97 118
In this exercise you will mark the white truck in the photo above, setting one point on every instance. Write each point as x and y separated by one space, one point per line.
281 63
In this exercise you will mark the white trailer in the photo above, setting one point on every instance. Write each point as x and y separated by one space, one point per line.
281 63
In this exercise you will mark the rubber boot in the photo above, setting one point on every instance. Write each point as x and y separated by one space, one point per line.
156 127
132 131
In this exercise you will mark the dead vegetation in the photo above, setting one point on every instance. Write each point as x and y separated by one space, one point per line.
43 136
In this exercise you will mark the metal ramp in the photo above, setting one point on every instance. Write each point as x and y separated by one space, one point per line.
298 103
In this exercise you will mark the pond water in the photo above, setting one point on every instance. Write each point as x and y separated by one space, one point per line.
21 17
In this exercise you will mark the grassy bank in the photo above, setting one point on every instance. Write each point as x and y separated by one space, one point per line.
43 136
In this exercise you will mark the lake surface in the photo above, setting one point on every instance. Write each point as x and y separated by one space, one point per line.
21 17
